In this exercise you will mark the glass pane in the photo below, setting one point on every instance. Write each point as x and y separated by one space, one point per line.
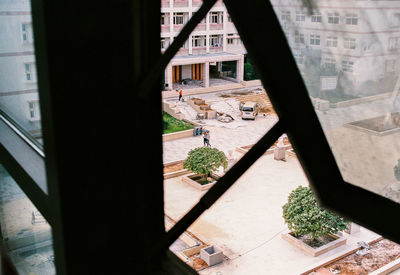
26 234
18 74
213 105
348 55
249 234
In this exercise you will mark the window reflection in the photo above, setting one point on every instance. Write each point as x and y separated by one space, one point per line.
18 77
26 234
350 64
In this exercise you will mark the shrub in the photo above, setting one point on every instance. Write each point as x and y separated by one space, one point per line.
204 161
304 216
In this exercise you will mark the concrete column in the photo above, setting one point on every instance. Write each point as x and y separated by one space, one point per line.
190 41
240 69
171 22
224 39
206 74
168 76
207 36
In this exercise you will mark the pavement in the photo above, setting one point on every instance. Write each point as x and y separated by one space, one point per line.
246 222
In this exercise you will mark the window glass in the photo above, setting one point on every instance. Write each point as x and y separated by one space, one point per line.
353 82
18 74
26 234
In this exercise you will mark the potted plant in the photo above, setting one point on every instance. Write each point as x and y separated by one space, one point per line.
203 162
313 228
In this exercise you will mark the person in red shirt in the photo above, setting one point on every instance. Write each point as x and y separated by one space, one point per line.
180 94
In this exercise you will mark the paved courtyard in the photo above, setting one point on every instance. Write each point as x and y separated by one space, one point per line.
246 222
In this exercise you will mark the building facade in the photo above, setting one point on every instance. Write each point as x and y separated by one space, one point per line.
18 78
213 53
358 42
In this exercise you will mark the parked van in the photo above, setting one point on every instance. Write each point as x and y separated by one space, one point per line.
249 110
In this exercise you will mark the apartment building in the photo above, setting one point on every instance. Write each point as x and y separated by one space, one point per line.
212 55
358 42
18 78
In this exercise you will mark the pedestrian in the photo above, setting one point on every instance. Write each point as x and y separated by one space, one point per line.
204 138
180 95
207 138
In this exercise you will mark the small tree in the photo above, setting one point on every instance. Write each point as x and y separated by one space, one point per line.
204 161
304 216
397 170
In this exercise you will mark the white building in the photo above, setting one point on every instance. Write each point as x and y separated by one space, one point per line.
213 52
18 79
357 39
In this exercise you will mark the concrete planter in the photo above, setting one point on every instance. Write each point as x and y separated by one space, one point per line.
189 180
211 255
339 240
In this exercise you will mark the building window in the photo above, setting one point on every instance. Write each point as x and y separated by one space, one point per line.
34 110
298 37
179 18
331 41
229 18
351 19
347 66
333 18
216 18
27 35
300 16
315 39
299 58
316 18
198 41
285 15
164 43
390 65
215 41
394 43
164 19
349 43
329 63
29 72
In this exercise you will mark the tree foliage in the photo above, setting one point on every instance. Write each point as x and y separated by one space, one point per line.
304 216
205 160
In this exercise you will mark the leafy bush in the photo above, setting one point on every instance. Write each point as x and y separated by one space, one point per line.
204 161
304 216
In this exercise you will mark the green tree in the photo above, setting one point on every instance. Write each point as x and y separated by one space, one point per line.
204 161
304 216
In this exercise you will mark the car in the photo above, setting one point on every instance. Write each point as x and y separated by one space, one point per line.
249 110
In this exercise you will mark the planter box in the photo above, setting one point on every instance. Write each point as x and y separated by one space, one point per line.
188 179
211 255
315 251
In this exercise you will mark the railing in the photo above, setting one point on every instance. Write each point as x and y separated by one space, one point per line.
165 4
214 26
165 28
181 3
199 50
201 27
197 3
177 27
215 49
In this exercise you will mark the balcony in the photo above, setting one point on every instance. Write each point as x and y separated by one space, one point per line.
217 49
197 3
165 28
214 26
165 4
177 28
199 50
201 27
181 3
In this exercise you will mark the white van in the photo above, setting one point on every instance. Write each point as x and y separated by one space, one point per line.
249 110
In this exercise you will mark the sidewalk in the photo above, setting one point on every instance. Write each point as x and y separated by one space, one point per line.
212 89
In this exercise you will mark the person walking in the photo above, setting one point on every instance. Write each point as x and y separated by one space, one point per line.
207 138
204 138
180 94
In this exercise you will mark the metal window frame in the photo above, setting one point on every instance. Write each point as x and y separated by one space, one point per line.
140 71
